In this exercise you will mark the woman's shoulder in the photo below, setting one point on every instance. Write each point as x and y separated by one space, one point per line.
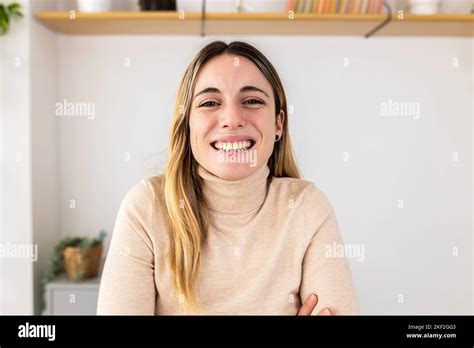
301 192
155 183
145 191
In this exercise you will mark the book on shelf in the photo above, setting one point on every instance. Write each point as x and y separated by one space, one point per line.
335 6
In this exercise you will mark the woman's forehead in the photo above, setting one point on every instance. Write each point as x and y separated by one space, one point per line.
230 72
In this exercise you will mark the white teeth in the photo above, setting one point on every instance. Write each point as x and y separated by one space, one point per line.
239 145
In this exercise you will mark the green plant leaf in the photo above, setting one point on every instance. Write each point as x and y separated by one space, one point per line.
6 13
15 12
3 27
14 7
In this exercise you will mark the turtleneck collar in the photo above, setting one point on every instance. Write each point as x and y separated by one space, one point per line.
234 196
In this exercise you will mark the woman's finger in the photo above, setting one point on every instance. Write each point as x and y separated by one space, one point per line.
325 311
308 305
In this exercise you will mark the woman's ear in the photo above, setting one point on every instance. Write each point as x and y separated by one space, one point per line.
280 119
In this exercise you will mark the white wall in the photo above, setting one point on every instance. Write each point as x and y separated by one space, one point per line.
29 176
16 274
44 138
408 251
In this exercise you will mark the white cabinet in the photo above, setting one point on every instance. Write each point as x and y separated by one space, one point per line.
65 297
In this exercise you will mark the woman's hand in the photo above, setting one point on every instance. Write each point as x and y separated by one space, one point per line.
309 305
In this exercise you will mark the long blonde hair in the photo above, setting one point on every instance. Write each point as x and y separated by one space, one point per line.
183 187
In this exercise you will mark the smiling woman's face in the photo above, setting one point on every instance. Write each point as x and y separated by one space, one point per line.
232 117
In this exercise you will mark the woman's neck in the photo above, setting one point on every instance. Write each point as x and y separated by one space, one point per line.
235 196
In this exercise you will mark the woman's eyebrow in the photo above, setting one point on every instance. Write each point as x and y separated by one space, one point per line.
207 90
243 89
253 89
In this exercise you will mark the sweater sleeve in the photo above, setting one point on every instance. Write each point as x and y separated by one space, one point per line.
324 271
127 285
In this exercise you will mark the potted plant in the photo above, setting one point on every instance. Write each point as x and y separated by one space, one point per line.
94 5
7 13
78 256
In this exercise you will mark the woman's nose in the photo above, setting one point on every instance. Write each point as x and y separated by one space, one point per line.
232 117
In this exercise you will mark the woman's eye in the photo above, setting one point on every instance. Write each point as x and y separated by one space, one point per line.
206 104
254 101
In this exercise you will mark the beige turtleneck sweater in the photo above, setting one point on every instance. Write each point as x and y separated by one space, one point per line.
267 250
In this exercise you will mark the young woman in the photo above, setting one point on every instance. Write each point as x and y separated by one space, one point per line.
230 228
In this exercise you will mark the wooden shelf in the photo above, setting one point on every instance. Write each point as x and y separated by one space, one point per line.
169 23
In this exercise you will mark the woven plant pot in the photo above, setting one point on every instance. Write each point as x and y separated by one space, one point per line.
82 263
